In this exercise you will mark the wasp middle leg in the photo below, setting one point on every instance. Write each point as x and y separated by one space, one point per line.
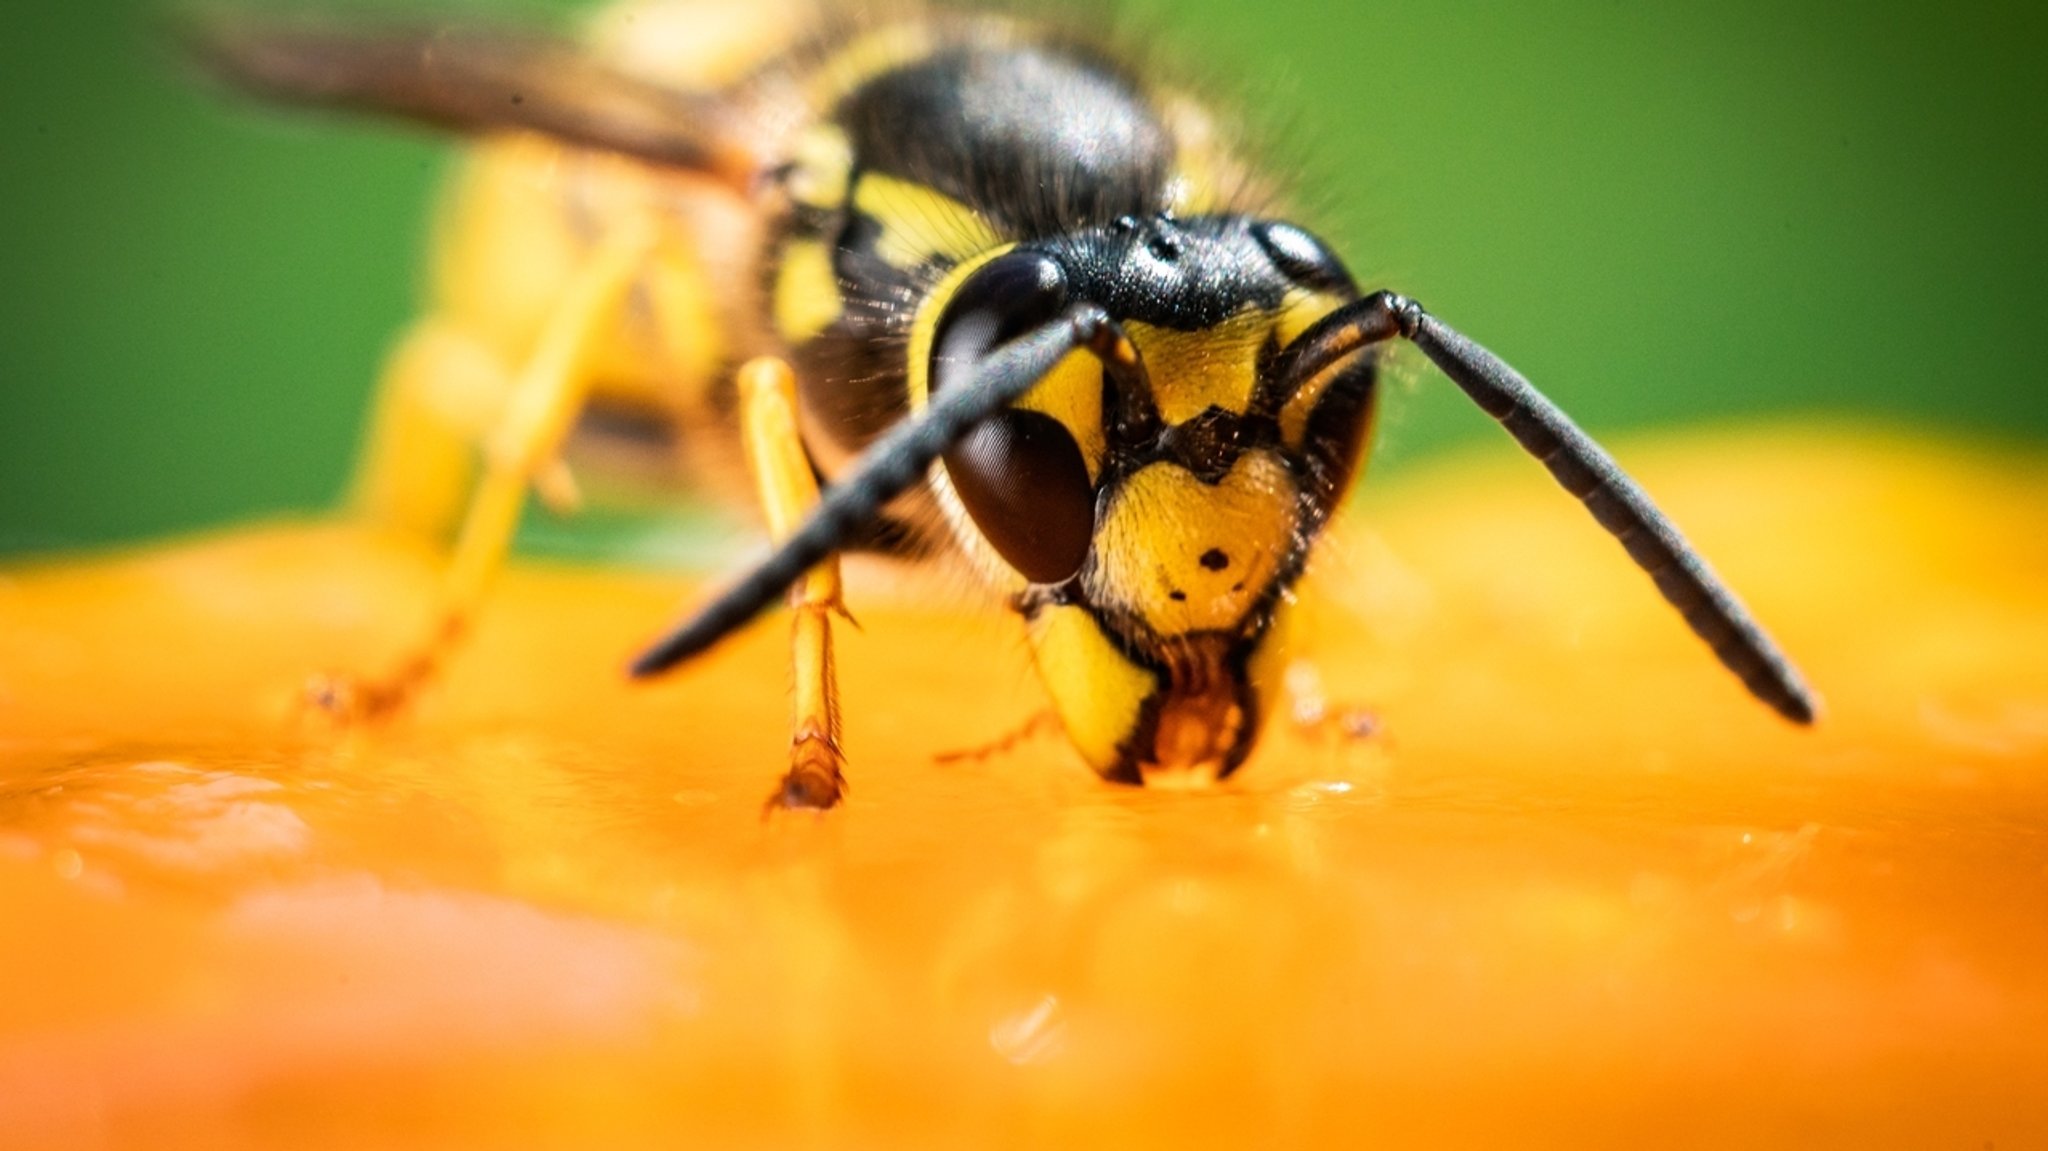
521 450
788 490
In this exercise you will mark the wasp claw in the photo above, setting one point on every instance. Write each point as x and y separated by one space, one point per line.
337 696
815 782
348 699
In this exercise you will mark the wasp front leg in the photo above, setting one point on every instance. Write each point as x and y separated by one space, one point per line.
788 491
521 450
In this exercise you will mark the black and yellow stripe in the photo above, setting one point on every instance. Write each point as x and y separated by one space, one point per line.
938 141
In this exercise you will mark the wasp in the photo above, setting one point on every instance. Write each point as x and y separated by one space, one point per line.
938 280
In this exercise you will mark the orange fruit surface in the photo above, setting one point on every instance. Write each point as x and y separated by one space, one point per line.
1575 889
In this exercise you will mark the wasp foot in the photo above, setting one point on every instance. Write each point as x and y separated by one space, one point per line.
816 780
348 698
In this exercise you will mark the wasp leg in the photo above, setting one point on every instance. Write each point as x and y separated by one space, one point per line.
1044 723
536 409
443 391
788 491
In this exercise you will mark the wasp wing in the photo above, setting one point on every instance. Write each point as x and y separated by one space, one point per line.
473 79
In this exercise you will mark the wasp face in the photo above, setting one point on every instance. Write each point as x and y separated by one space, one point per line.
1157 513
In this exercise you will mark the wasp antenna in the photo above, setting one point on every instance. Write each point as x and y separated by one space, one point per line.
1345 332
893 464
1622 507
1583 467
468 79
1133 412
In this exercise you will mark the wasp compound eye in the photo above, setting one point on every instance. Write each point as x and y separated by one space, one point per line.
1021 476
1012 295
1303 258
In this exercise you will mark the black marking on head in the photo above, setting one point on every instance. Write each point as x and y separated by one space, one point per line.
1215 559
1181 274
1208 445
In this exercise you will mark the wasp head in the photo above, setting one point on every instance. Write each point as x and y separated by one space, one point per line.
1152 511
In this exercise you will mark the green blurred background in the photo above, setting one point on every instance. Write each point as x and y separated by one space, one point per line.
1665 214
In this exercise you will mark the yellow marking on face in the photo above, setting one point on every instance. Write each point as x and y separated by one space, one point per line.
807 299
920 225
1213 367
1299 311
1217 546
1097 692
821 168
1072 394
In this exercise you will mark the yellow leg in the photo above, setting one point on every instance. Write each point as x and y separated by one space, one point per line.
788 491
521 450
442 393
